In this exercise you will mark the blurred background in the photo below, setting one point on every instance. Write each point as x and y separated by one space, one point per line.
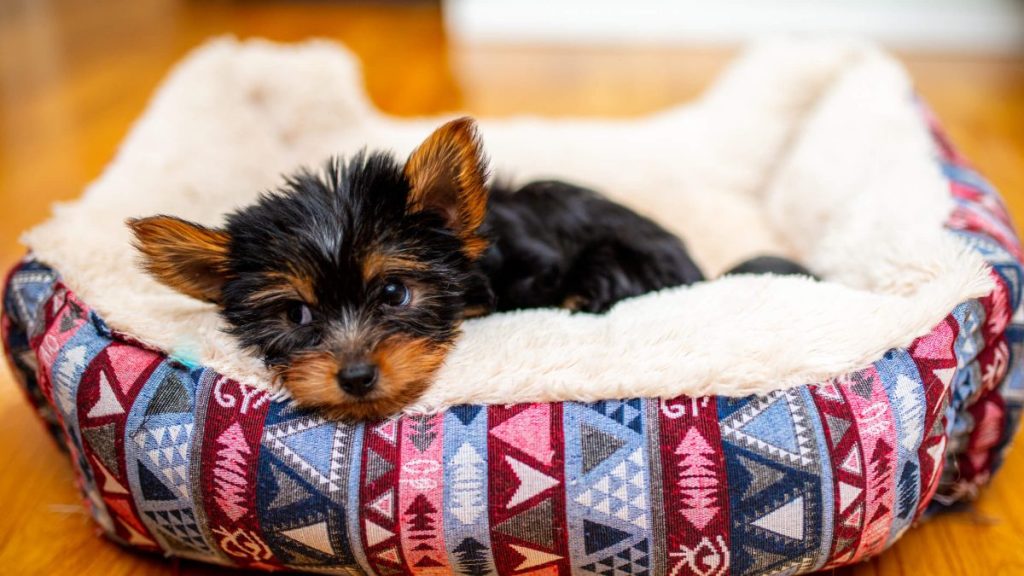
75 73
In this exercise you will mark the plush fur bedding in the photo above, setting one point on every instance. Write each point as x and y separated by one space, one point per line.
812 151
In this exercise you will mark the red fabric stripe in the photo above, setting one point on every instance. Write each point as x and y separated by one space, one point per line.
101 379
696 487
380 528
230 456
527 469
934 354
847 464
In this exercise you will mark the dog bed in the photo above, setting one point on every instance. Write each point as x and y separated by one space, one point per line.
746 425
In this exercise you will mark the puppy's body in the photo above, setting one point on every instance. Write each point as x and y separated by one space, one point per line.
351 284
556 244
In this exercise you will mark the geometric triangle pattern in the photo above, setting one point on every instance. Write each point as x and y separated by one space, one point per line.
904 387
189 463
763 477
76 364
598 536
696 497
597 446
29 288
302 487
610 501
529 431
526 477
775 489
152 487
179 525
159 443
288 491
108 404
313 446
774 425
533 525
849 480
530 481
166 452
171 397
786 520
633 560
420 504
104 444
869 404
314 536
626 413
373 500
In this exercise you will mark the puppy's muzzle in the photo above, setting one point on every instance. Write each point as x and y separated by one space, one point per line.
358 379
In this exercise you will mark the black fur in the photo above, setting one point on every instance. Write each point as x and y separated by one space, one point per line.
770 265
555 244
322 227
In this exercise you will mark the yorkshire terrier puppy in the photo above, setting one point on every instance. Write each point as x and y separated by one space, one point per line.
351 284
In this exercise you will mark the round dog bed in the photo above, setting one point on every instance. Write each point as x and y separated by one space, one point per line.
745 425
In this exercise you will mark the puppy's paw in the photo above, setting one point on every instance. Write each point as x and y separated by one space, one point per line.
599 293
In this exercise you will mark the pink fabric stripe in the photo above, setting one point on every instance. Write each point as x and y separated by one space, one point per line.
873 418
421 495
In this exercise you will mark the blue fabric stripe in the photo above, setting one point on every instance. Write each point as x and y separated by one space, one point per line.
608 493
153 441
66 378
467 535
826 484
905 389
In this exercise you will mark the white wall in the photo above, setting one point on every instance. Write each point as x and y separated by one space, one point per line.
935 25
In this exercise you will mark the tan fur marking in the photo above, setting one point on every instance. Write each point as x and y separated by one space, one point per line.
407 366
286 286
311 379
379 265
475 311
448 175
301 284
187 257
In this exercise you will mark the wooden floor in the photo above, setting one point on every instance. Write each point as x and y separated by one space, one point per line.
73 75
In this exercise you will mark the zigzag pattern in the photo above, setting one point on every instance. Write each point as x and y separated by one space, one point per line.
774 425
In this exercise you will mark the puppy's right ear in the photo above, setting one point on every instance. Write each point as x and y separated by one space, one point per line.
448 175
188 257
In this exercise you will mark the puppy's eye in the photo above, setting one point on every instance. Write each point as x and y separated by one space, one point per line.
396 294
299 313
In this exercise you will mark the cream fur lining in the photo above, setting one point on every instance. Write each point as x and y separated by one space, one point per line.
804 148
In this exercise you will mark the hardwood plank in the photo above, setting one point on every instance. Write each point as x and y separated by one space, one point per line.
74 75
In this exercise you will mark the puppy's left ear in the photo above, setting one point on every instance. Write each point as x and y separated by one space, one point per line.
190 258
448 174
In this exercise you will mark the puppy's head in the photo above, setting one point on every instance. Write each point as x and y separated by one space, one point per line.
351 284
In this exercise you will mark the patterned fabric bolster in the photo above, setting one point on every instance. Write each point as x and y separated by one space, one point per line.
184 461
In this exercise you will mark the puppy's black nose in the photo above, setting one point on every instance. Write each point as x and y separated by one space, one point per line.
358 379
